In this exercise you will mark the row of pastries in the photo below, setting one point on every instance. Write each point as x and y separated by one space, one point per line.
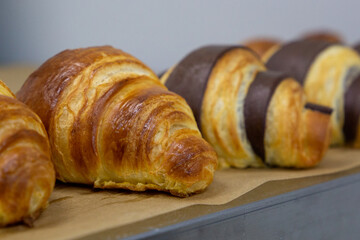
99 116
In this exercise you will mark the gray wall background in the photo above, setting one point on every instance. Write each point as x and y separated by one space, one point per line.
160 32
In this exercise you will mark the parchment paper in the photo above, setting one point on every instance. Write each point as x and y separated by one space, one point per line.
76 211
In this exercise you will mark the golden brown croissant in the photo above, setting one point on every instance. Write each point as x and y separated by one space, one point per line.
27 175
111 123
250 116
330 74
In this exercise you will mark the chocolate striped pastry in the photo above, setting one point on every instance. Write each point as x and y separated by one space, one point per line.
329 74
27 175
112 124
252 117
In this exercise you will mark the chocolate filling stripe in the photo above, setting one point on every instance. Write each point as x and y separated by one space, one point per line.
319 108
295 58
189 78
352 110
256 104
357 47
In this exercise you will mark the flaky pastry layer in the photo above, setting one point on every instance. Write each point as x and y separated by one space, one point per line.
222 117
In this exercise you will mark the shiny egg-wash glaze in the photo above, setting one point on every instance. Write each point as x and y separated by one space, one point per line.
326 72
27 175
216 82
111 123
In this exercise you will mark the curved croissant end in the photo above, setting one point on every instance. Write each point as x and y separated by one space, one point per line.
297 133
27 176
111 123
237 105
328 73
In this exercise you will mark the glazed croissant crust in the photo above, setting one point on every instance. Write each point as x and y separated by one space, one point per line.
27 174
252 117
112 124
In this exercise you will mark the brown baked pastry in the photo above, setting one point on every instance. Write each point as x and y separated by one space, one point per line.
326 36
329 74
252 117
27 175
262 46
112 124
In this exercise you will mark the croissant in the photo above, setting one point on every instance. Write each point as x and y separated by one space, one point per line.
112 124
329 74
252 117
27 175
